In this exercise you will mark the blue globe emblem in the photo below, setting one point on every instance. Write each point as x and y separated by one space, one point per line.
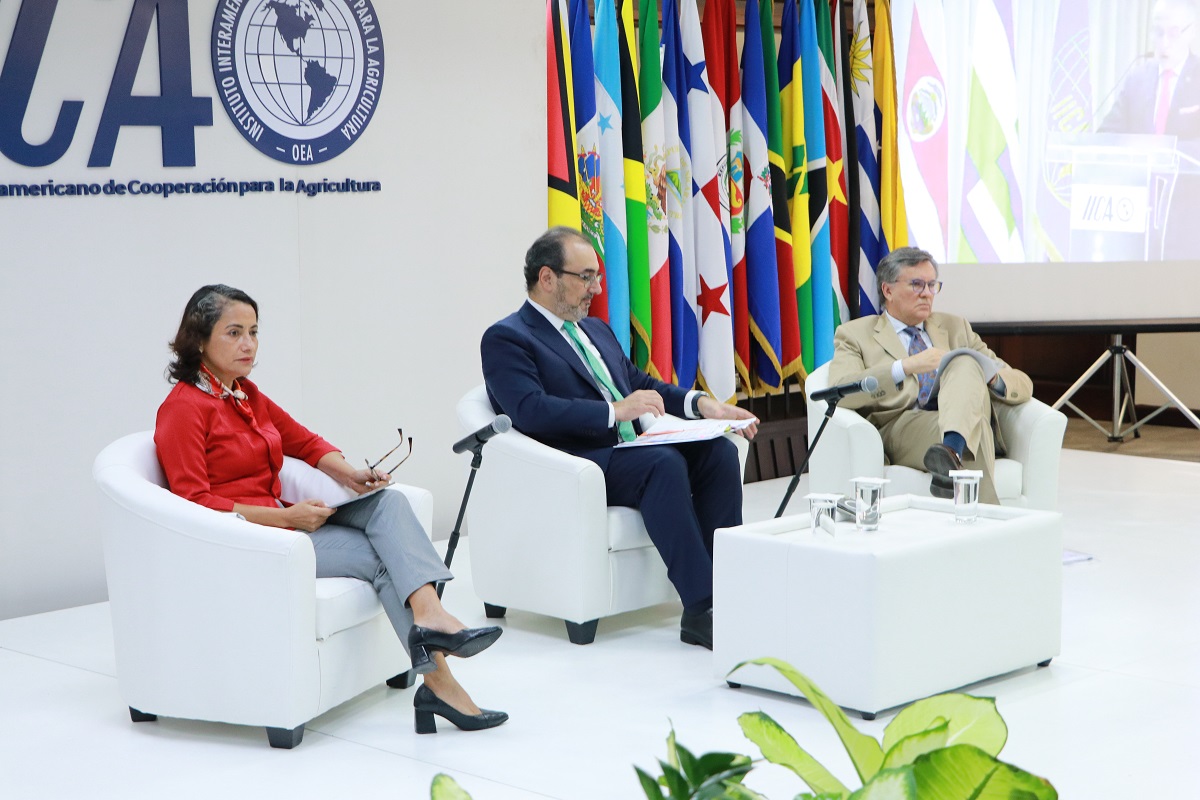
301 59
300 79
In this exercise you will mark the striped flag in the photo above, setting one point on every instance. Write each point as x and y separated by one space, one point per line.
711 246
641 321
892 219
872 247
587 139
654 151
562 180
781 184
612 171
680 196
795 169
992 221
762 271
720 45
819 349
923 139
829 39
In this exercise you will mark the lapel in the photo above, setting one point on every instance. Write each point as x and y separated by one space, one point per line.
937 334
1183 89
541 329
888 339
601 336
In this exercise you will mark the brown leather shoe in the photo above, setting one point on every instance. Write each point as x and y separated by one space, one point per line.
939 460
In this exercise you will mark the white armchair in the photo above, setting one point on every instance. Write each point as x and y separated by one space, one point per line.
216 618
543 538
851 447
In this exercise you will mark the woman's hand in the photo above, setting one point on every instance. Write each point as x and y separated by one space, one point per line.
308 515
358 481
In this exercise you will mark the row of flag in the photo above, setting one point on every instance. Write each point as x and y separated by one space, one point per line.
738 202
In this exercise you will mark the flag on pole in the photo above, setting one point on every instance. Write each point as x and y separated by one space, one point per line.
872 247
562 180
818 190
587 139
992 220
640 319
923 139
612 171
762 270
829 39
789 320
654 151
893 220
680 196
711 247
720 45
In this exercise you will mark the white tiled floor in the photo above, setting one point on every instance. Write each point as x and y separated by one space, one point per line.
1117 715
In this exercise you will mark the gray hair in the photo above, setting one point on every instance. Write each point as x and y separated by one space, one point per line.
890 266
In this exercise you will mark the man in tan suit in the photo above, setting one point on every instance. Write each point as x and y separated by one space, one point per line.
902 348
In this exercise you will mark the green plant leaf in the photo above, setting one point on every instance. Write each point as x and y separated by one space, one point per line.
723 785
907 749
965 772
864 751
890 784
672 753
675 781
780 748
711 764
972 720
446 788
688 766
649 785
821 796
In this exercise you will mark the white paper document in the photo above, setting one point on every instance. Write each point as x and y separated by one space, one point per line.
986 364
672 430
351 499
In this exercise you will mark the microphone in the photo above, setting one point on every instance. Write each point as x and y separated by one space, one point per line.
835 393
1120 81
500 424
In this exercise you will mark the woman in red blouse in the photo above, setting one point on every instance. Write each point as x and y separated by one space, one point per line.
221 443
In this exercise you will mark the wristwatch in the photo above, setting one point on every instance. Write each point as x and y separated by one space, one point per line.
696 404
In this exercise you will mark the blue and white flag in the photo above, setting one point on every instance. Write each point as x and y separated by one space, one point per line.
612 172
871 246
680 194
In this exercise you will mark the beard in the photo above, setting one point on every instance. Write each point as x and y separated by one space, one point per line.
565 310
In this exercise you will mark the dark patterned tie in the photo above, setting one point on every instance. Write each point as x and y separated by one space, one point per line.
916 344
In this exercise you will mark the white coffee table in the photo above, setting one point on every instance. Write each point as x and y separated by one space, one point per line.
878 619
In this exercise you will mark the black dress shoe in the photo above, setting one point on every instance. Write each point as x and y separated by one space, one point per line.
696 629
463 644
426 704
939 460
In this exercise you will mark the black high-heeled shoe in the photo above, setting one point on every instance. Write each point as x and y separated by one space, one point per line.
426 704
422 664
463 644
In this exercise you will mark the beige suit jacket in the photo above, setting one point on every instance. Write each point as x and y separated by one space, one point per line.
869 346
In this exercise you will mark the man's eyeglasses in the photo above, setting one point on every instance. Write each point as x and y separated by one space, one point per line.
918 286
1171 32
372 467
589 278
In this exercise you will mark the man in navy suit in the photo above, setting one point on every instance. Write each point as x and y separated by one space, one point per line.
564 380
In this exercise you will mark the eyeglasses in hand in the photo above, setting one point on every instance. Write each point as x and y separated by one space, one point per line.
400 431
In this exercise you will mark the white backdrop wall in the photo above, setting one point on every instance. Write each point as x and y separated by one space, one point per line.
371 305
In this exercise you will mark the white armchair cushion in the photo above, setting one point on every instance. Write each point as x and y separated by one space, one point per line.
343 603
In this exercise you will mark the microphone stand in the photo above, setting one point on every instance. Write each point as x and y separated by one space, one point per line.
830 407
452 545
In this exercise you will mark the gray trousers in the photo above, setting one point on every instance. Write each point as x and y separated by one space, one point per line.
379 540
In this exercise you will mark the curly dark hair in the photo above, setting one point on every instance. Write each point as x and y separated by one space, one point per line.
200 315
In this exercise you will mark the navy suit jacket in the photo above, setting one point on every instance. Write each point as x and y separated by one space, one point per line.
539 380
1133 111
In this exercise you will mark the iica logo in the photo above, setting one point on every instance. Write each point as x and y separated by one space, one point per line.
299 78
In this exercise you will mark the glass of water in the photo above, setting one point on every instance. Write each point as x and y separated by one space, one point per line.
966 494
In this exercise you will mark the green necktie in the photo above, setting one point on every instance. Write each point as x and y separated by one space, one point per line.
625 429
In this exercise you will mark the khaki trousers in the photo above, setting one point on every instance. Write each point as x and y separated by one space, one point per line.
964 406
